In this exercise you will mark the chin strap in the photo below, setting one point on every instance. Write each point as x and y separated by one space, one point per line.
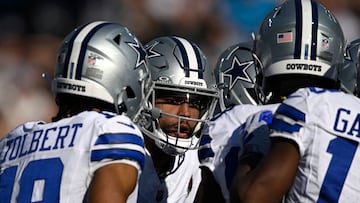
178 161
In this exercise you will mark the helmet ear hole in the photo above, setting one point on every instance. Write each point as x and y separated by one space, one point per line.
130 92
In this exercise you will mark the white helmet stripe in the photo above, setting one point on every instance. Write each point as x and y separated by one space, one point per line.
189 57
76 48
306 33
199 62
306 29
315 27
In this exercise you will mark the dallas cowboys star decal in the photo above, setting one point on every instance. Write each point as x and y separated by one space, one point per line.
238 71
152 53
141 53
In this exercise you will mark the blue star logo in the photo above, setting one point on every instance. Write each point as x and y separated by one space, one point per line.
141 53
152 53
238 71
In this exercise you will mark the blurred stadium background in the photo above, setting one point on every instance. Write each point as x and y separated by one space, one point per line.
32 30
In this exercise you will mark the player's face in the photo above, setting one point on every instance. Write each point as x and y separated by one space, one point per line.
184 106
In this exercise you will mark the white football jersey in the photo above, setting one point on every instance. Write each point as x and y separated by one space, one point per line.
325 124
179 186
55 162
220 142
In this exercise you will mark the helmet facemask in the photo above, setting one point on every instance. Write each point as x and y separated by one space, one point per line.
184 134
181 76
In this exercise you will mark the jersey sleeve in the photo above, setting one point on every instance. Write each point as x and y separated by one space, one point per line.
119 141
290 117
205 152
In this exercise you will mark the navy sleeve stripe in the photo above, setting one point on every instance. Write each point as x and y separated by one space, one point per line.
117 154
205 150
291 112
205 139
205 153
119 138
280 125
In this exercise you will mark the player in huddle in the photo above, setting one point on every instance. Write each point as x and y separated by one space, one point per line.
91 151
314 132
275 81
179 101
220 143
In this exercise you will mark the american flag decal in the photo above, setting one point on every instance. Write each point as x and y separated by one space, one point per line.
284 37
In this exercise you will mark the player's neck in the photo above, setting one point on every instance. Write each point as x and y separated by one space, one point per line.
162 162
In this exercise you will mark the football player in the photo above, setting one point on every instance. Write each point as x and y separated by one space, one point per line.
181 98
314 134
220 143
91 151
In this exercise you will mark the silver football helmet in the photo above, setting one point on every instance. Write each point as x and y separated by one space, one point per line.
300 43
103 61
177 68
349 74
235 75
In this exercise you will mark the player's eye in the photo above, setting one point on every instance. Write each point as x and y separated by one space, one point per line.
193 103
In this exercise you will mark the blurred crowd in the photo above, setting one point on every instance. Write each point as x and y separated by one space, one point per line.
32 30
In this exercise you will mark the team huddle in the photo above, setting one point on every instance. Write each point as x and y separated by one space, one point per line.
276 120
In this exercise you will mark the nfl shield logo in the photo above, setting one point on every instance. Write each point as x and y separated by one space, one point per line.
325 43
91 60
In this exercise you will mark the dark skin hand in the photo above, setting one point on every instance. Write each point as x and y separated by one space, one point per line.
112 183
271 179
209 190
